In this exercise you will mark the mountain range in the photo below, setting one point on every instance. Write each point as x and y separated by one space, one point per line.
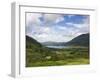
81 40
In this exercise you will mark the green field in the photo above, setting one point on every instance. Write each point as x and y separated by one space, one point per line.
44 56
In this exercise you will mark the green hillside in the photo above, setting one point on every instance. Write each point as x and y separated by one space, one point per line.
36 52
82 40
30 43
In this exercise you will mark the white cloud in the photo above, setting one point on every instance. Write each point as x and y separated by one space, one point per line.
46 29
69 23
50 33
59 19
51 17
51 37
64 34
42 36
62 28
33 18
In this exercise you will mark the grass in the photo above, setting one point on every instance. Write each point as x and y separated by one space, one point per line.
57 57
60 62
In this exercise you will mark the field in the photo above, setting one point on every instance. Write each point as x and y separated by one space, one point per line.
55 57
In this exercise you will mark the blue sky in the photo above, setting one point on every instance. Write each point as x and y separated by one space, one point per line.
56 27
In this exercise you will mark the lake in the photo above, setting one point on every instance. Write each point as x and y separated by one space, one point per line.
60 47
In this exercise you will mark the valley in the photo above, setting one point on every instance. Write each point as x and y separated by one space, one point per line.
38 54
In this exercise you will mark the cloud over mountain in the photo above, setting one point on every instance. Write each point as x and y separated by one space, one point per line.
56 27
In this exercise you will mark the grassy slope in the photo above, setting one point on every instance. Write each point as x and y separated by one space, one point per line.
81 40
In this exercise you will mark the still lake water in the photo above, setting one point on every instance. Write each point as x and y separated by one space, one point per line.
60 47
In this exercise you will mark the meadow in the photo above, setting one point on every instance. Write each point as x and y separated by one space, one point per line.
56 57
